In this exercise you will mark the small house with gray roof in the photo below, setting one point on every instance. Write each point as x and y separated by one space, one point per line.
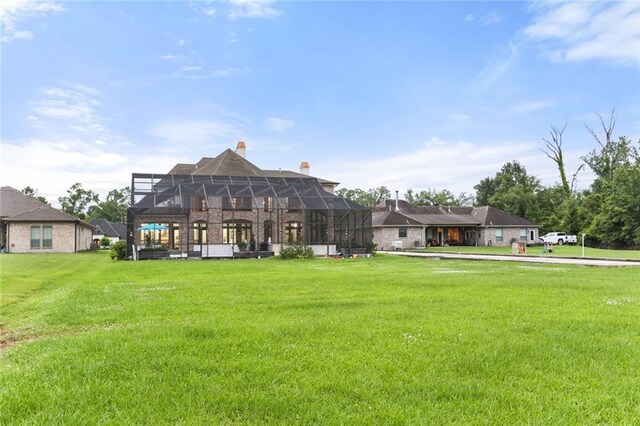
399 224
30 226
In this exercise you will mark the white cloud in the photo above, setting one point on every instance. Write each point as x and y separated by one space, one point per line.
252 9
440 164
529 106
197 132
576 31
74 105
209 11
278 125
491 18
190 68
168 57
496 68
14 11
469 17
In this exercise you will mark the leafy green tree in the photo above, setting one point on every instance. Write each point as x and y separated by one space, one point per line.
33 193
512 189
369 198
114 208
77 201
618 221
433 197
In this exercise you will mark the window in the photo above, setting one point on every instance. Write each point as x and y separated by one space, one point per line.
523 234
236 203
41 237
293 204
237 231
498 234
198 203
268 204
199 232
453 235
268 231
35 237
293 232
402 231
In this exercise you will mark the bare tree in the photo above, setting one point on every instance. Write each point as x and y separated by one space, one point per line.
612 154
554 152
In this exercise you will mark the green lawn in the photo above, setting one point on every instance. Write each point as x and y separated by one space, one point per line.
558 251
386 340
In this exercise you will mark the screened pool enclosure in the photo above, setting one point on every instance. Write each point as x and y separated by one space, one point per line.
220 216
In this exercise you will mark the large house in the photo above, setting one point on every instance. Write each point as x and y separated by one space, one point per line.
223 205
398 224
30 226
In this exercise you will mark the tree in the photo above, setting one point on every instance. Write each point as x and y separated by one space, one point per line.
33 193
433 197
618 222
114 208
612 153
554 152
511 189
369 198
77 200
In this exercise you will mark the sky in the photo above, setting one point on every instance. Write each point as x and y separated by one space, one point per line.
419 95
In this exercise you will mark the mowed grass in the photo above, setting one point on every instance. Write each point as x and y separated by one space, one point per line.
386 340
565 250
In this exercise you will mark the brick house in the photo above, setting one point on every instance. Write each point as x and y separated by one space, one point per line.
29 226
398 224
224 205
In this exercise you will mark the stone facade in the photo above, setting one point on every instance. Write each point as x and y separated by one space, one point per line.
66 237
488 237
385 237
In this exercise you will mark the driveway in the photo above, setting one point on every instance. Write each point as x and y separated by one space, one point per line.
530 259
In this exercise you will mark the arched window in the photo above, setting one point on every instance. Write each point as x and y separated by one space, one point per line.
268 230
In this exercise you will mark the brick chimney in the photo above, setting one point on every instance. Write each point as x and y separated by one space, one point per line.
304 168
241 149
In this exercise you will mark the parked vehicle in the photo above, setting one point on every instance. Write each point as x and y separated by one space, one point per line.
559 238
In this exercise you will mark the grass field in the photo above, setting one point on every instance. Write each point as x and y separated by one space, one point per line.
386 340
558 251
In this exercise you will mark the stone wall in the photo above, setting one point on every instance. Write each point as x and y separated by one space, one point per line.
384 237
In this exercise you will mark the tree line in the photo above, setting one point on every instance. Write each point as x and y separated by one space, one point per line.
608 212
85 204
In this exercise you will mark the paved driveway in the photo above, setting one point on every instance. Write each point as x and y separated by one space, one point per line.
530 259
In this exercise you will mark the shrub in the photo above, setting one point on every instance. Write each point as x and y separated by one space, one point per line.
118 250
372 248
105 241
296 252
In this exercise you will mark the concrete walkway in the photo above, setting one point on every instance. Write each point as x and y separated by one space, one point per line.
530 259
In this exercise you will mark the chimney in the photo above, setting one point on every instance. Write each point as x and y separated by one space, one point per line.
304 168
396 200
241 149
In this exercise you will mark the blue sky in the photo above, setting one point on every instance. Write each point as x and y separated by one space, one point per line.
402 94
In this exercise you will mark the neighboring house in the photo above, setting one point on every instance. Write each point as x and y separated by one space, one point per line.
399 224
104 228
29 226
224 204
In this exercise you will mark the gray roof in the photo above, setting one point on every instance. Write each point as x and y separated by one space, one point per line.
230 163
109 229
409 215
18 207
13 202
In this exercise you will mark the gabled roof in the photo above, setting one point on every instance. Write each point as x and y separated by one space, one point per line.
409 215
18 207
492 216
230 163
13 202
109 229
